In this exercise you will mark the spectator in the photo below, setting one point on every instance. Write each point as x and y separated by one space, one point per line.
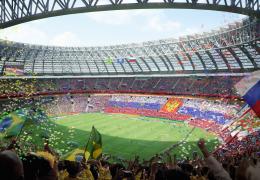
218 171
11 167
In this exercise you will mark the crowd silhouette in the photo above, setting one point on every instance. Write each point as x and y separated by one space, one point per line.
46 165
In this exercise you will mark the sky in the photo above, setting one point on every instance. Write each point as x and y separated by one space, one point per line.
117 27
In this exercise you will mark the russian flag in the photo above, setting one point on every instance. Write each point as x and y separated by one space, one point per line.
131 59
249 89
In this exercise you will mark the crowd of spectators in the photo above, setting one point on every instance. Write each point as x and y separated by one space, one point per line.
75 103
97 103
203 86
47 165
140 98
239 145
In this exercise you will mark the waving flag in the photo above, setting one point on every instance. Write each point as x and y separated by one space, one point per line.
120 60
249 89
109 60
131 59
94 146
75 155
11 124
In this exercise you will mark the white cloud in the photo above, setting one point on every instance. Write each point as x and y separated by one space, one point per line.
144 20
66 39
113 17
119 27
190 31
121 17
156 23
241 16
24 33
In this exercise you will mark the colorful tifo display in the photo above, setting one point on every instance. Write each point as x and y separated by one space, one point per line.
181 108
208 115
172 108
172 105
136 102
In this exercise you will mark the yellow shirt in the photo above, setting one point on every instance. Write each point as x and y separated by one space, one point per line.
197 178
71 178
104 174
86 175
62 174
138 176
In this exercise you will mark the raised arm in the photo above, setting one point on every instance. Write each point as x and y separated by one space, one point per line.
215 167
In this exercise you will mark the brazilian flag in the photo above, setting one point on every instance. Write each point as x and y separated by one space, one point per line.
74 155
92 150
11 124
94 146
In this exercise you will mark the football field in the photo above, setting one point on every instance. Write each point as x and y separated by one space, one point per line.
125 136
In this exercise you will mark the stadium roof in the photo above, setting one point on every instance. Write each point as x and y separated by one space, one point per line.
235 48
16 11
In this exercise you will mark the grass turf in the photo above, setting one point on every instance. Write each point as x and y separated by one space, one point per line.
123 135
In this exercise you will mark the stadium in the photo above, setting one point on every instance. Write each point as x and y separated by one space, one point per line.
153 100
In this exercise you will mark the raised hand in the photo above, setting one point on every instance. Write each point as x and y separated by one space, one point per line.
201 143
203 148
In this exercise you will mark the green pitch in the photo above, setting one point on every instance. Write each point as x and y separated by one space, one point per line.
123 135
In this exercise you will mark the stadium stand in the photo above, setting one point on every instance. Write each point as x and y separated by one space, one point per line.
157 85
190 80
